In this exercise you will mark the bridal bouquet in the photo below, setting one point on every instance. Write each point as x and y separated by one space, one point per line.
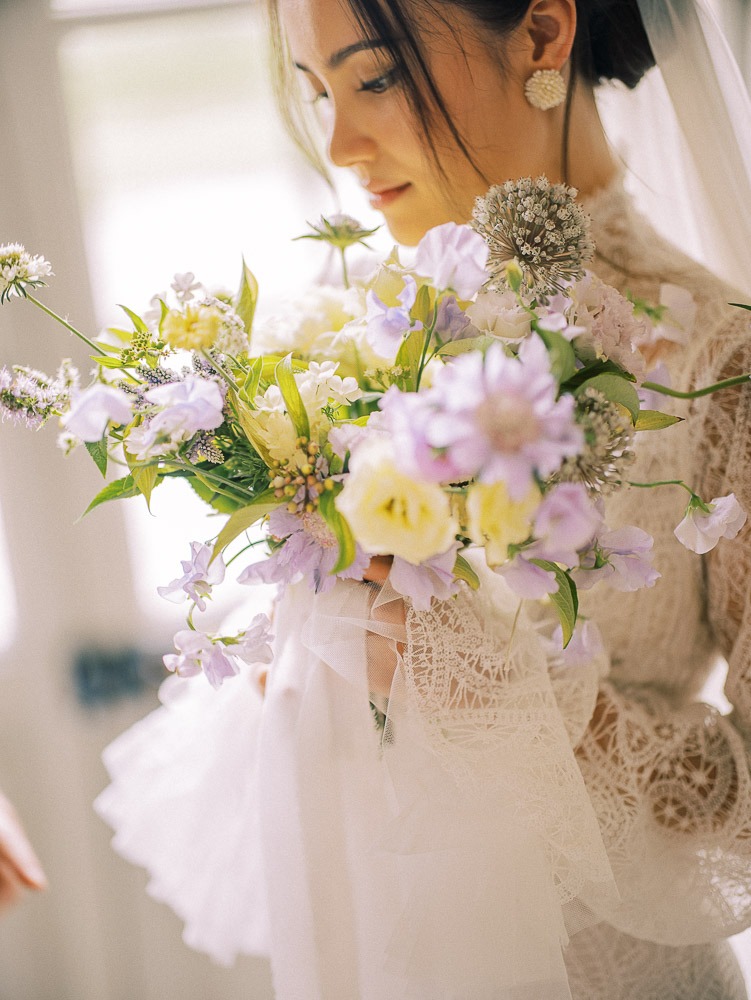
485 394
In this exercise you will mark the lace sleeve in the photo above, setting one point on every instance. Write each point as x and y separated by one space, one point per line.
671 781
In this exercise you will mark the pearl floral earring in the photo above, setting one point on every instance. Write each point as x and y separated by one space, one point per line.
545 89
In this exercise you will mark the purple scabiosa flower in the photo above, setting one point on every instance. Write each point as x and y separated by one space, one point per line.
493 418
705 524
94 408
453 257
433 578
310 550
387 325
620 558
200 574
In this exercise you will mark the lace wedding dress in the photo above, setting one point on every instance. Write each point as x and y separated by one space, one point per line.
509 802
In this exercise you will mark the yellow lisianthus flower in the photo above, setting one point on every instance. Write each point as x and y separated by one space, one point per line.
193 328
496 521
391 513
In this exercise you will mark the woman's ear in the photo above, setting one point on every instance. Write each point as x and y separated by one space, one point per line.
550 26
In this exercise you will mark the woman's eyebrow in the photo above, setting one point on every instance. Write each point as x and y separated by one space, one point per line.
349 50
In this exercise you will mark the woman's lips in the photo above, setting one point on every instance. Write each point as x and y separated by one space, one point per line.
380 199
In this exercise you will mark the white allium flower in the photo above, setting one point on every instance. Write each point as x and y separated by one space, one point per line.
20 271
540 227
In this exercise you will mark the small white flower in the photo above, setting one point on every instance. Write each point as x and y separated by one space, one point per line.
20 270
700 530
184 285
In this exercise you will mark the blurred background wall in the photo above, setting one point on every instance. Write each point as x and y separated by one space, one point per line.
137 139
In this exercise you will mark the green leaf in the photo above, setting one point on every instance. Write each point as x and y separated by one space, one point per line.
409 356
422 308
249 390
562 357
120 489
617 389
342 531
247 297
740 305
244 518
654 420
270 361
218 501
107 362
136 320
596 368
455 347
98 451
464 571
285 379
565 599
145 477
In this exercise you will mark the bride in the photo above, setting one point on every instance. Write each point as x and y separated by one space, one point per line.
600 845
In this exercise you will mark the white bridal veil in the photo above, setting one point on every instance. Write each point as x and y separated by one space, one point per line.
685 136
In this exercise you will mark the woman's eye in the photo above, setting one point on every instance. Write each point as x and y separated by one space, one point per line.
380 84
320 95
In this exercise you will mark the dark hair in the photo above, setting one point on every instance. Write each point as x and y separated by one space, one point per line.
610 44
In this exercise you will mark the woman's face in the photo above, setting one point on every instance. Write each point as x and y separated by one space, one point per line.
370 127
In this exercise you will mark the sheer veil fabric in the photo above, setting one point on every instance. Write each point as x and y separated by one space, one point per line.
684 135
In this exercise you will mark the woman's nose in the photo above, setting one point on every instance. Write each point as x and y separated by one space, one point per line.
349 142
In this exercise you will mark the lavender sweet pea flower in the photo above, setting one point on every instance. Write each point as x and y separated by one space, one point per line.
253 644
200 574
453 258
584 646
387 325
701 530
218 658
192 405
451 322
620 558
198 653
526 579
565 522
433 578
94 408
